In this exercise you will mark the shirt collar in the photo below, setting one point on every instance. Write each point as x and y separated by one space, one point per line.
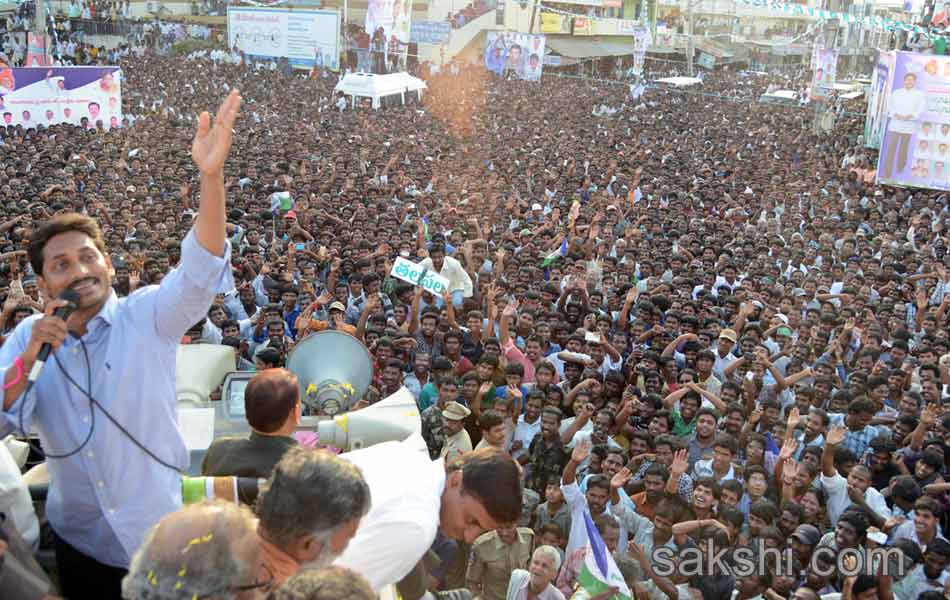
106 315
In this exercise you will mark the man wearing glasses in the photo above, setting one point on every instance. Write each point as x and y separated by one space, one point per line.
203 551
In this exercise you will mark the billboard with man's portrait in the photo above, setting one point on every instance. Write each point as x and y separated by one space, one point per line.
915 146
517 54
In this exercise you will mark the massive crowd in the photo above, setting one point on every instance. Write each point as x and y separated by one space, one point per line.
694 320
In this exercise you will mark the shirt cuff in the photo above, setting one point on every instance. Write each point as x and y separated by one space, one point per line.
203 268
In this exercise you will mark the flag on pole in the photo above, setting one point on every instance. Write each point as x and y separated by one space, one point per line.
600 572
281 201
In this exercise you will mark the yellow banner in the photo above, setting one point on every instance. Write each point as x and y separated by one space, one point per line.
554 23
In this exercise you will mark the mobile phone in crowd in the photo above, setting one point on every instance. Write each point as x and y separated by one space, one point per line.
300 246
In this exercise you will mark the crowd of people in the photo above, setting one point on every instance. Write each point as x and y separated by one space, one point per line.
693 323
472 11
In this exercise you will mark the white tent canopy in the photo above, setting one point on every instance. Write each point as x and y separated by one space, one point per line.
779 97
359 86
680 81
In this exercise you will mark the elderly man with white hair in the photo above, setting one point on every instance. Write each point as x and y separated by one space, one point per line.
308 511
206 550
537 582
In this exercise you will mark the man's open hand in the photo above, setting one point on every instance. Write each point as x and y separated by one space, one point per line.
212 144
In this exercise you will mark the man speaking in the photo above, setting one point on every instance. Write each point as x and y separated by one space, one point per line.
104 404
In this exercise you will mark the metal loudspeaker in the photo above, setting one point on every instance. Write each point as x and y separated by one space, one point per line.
334 370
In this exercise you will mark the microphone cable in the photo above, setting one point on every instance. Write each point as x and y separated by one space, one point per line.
93 403
92 424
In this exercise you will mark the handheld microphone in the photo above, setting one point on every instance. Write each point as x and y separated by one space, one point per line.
72 297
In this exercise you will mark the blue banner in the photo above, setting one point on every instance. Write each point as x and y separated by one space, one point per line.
430 32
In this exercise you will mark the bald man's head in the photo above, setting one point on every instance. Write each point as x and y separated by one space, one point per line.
203 550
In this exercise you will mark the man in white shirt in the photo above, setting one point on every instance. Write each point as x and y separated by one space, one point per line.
932 575
460 284
924 527
15 498
414 498
856 488
595 500
904 107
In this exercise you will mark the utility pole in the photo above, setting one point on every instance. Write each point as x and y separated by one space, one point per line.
39 24
689 37
534 12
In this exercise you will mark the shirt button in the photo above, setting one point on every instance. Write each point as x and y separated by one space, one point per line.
111 511
85 419
89 454
75 350
100 484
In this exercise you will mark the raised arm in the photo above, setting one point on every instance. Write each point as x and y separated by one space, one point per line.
371 305
414 317
677 469
578 455
511 310
579 422
670 401
729 370
672 346
796 377
832 440
209 150
450 310
703 392
927 419
762 354
628 302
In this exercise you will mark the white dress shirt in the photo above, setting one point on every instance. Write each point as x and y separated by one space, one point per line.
525 432
15 498
838 500
452 270
907 103
406 490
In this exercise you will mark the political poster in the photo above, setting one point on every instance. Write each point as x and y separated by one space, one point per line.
395 19
825 71
877 98
306 38
518 54
83 96
915 147
642 38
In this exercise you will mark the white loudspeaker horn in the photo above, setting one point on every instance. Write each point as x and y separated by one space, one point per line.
334 370
394 419
200 369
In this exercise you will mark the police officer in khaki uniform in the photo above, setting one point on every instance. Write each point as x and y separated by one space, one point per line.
494 556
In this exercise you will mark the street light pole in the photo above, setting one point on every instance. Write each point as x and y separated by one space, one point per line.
689 37
39 25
